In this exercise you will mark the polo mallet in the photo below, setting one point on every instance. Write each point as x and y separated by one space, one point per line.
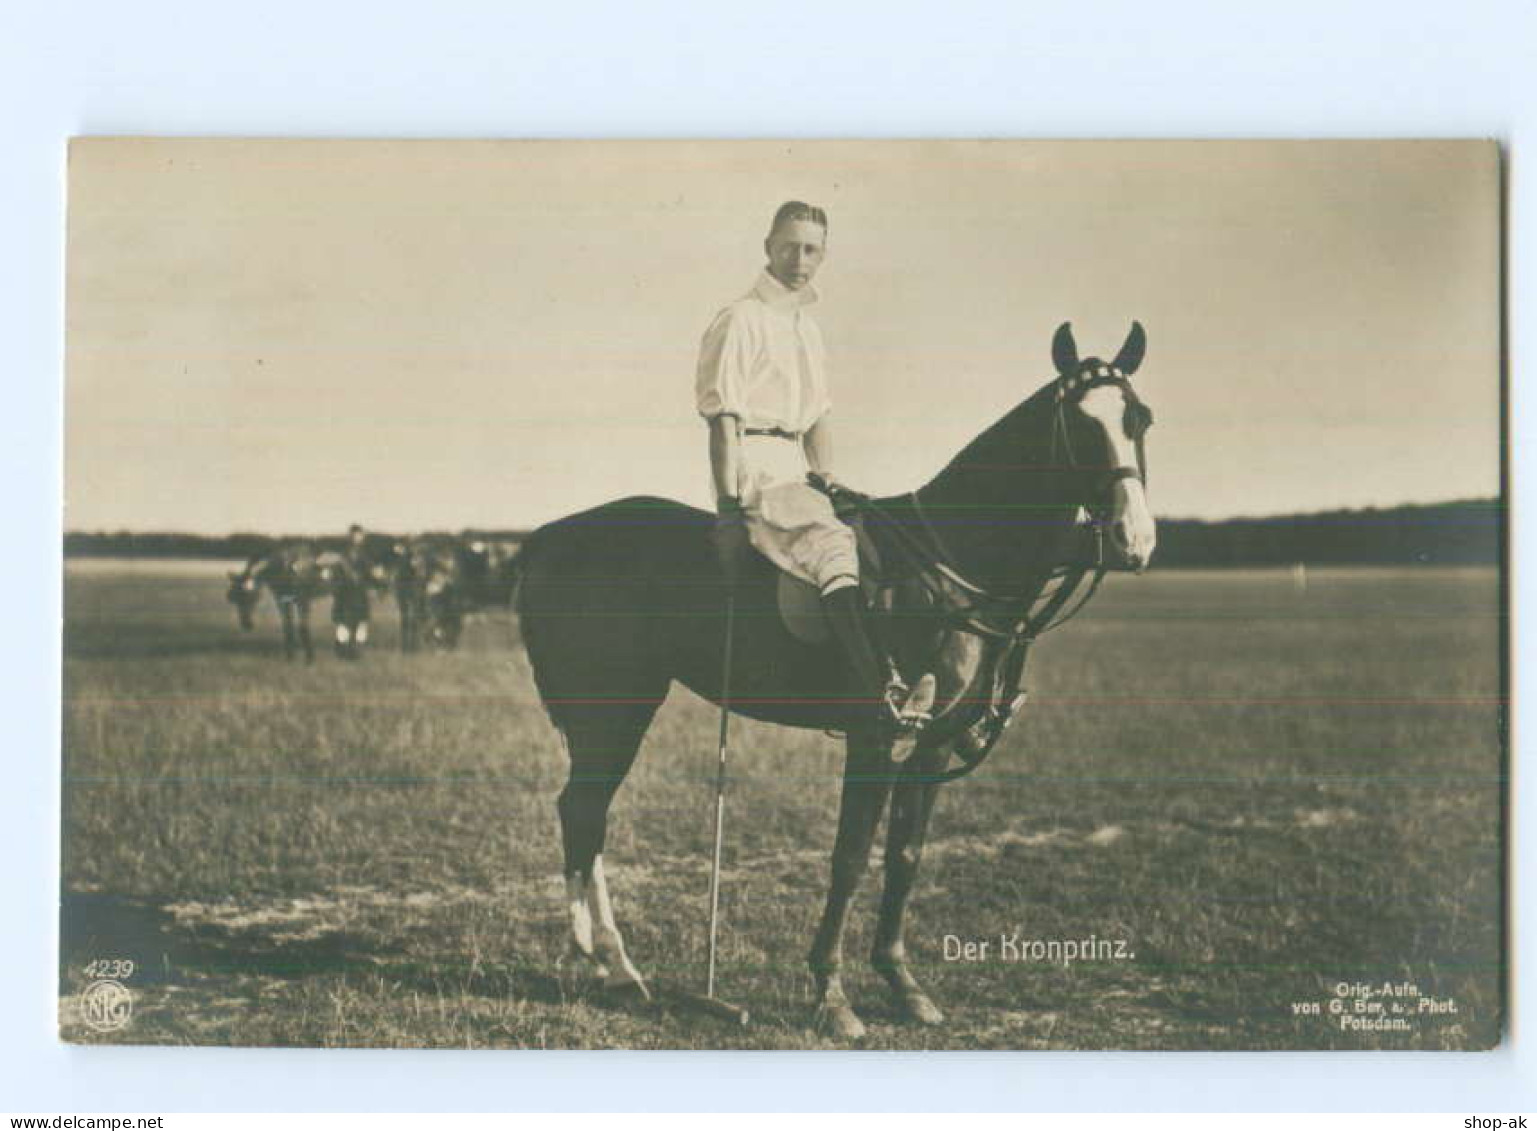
708 1002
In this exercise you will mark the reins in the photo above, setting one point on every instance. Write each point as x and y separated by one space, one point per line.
971 607
938 569
1028 621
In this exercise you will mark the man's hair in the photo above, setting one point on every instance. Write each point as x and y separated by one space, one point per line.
792 210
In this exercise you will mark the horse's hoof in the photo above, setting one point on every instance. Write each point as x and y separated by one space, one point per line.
839 1021
620 983
918 1006
624 978
588 958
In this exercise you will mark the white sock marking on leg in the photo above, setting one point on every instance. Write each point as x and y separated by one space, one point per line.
606 937
581 916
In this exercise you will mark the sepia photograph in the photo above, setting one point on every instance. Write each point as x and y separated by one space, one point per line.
784 595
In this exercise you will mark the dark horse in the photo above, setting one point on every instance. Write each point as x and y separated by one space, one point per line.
618 602
440 579
381 565
296 573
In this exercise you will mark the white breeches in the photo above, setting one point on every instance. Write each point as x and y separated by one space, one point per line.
790 522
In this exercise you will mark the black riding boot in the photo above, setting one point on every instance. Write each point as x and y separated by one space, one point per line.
875 679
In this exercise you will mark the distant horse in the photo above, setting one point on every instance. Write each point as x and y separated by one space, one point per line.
386 566
442 579
488 571
405 581
618 602
296 573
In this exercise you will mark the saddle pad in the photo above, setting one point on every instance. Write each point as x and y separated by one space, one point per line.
800 607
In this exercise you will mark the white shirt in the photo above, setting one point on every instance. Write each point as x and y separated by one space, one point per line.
762 360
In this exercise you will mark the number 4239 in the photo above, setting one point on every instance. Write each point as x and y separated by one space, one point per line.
109 968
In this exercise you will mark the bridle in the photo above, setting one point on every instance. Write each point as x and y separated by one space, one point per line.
972 607
1137 419
1015 620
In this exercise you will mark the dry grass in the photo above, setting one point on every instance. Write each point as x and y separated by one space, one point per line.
1264 791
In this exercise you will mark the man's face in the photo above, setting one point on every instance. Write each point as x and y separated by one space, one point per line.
795 250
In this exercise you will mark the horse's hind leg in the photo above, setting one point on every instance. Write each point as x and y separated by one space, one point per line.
912 801
602 747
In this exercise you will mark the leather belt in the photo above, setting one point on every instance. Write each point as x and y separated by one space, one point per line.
776 432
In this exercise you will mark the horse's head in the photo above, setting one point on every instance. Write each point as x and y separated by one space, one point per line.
1099 433
244 591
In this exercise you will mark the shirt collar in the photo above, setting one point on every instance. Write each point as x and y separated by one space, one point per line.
781 297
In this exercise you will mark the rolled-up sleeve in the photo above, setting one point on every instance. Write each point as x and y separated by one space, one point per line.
820 407
725 364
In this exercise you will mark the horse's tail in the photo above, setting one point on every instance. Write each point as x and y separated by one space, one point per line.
532 630
517 569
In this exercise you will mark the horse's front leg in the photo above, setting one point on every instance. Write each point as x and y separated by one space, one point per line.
304 632
407 622
286 617
866 785
912 801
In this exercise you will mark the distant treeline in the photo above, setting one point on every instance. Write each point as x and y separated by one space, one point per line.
239 547
1468 532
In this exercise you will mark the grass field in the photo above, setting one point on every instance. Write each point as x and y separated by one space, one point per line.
1266 791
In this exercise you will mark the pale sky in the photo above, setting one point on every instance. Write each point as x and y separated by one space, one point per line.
295 335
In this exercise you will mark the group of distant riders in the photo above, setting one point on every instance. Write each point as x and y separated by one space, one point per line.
436 580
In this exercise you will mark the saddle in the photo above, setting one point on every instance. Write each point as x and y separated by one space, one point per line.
968 730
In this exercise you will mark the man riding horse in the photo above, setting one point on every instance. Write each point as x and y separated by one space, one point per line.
762 386
619 602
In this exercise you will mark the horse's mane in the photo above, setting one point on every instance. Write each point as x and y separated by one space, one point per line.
1024 430
998 505
255 561
280 553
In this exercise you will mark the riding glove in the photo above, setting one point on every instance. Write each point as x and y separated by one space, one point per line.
730 538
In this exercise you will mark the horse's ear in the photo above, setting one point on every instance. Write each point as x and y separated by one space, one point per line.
1064 351
1132 352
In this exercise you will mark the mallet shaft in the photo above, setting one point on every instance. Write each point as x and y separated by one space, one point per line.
720 791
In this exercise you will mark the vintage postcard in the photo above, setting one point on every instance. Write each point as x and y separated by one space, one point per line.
955 595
